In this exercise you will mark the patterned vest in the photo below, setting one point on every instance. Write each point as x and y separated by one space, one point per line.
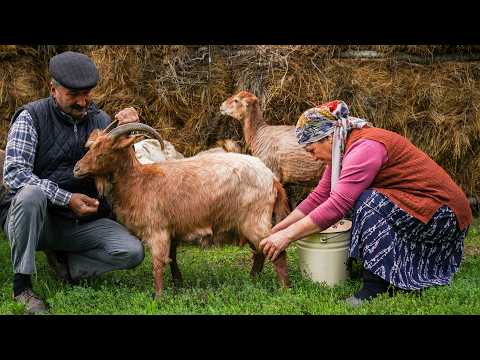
61 143
412 180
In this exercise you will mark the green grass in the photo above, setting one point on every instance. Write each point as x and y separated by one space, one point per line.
216 281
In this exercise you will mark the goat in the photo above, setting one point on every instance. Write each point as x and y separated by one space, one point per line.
229 145
276 146
152 151
149 151
175 200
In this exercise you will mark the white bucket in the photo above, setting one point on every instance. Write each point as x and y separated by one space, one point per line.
323 256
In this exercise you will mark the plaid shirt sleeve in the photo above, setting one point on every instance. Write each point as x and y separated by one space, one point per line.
19 160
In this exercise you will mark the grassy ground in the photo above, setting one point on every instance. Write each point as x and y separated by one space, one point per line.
216 281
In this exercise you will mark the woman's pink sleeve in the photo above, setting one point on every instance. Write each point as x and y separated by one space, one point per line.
360 166
319 194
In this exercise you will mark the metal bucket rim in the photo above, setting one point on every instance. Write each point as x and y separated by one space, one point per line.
326 238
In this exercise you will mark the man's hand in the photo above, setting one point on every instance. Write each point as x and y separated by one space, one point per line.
83 205
127 115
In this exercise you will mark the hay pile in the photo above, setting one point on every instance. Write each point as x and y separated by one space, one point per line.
178 90
22 79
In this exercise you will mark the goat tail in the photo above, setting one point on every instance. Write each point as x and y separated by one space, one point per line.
281 207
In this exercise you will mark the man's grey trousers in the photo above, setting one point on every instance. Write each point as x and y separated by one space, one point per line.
93 247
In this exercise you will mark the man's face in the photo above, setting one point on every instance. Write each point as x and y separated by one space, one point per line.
72 102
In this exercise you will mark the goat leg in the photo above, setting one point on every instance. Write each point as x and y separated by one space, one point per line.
160 245
176 273
281 269
258 261
158 267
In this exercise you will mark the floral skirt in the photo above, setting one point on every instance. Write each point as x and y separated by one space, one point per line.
401 249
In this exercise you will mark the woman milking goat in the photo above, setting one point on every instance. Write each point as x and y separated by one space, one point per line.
409 217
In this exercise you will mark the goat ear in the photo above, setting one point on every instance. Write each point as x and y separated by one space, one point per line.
93 136
246 103
250 101
123 142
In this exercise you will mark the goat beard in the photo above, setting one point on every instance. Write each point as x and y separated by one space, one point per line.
103 185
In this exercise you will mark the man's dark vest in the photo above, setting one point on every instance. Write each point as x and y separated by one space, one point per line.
61 143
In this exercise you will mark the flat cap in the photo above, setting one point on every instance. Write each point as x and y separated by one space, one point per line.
74 70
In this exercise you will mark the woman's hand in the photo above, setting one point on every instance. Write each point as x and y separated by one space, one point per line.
274 244
294 216
276 228
278 240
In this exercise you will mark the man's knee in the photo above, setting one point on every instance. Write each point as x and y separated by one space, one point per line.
31 197
123 249
134 254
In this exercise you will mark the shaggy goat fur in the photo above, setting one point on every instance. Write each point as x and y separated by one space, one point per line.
276 146
182 199
148 152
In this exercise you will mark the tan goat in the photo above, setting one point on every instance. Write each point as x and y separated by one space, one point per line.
151 151
176 200
276 146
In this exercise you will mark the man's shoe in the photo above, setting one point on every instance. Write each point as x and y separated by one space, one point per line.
33 304
59 263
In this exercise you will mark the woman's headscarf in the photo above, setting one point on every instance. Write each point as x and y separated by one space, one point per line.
319 122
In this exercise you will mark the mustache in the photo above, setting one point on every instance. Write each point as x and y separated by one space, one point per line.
78 108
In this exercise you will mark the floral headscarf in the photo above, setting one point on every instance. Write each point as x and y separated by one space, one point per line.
319 122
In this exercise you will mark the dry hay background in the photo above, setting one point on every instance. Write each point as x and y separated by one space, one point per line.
178 90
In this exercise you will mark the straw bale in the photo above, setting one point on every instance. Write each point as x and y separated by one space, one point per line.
20 82
178 90
119 69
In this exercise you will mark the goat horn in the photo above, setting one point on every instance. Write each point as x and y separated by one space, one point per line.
110 126
127 128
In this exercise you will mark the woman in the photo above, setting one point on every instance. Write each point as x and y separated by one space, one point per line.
409 219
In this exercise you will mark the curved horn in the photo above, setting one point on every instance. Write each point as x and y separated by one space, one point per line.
127 128
110 126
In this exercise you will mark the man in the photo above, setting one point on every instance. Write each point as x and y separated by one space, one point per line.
46 208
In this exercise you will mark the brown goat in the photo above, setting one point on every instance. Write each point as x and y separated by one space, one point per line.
149 152
276 146
178 200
